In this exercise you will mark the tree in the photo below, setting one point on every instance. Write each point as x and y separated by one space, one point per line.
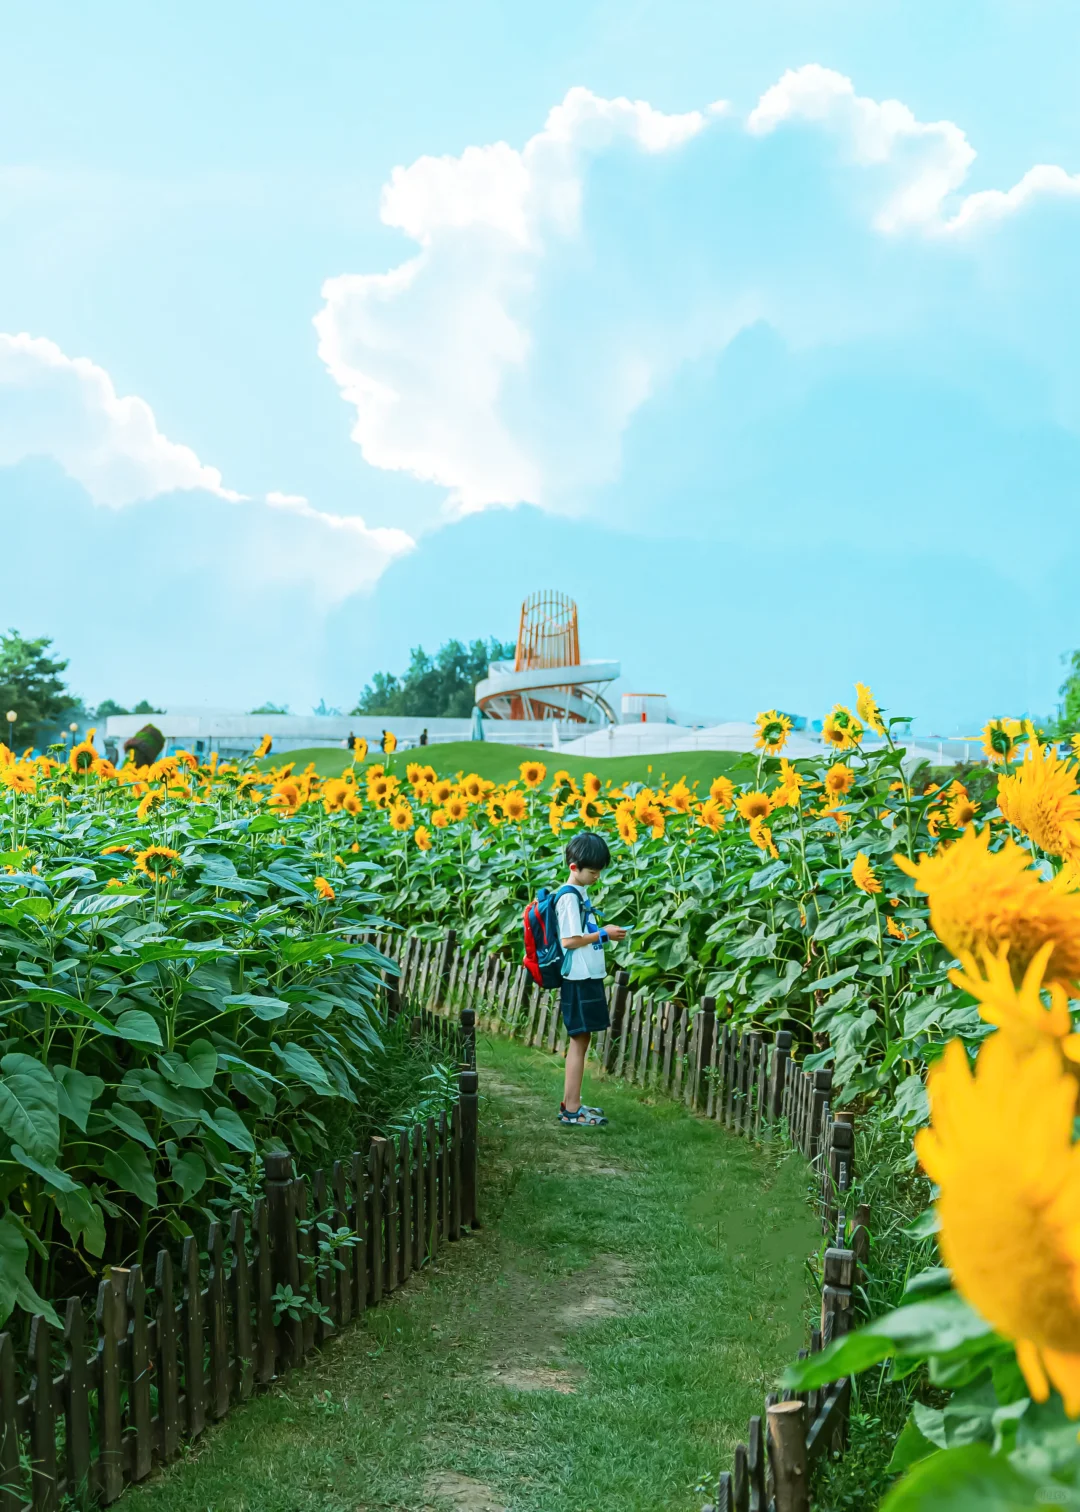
145 707
108 707
270 708
31 684
1068 719
438 687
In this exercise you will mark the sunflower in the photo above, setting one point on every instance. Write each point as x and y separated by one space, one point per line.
286 796
1019 1011
532 773
981 900
652 816
18 781
591 785
711 815
117 850
324 890
555 817
441 791
83 755
149 801
866 706
624 823
515 807
841 729
351 803
897 931
1001 739
422 792
359 748
414 774
839 779
263 748
761 835
1040 798
390 743
473 787
334 794
754 805
773 731
680 799
380 790
644 798
962 811
157 861
1000 1149
456 809
722 791
401 817
863 874
440 818
376 769
103 768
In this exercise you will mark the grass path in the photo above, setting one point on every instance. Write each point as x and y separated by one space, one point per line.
596 1347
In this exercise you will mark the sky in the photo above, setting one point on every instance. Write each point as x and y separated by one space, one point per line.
327 331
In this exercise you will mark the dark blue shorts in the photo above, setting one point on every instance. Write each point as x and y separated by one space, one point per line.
584 1006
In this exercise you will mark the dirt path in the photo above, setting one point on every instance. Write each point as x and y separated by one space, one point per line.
598 1345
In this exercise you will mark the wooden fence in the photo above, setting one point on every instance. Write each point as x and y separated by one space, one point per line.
177 1346
754 1088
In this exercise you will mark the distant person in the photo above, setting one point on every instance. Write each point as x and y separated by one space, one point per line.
423 737
581 997
350 744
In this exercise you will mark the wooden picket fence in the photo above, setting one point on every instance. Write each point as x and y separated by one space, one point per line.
755 1089
177 1346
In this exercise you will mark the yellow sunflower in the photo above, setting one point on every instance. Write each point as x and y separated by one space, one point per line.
1000 1149
897 931
473 787
263 748
1019 1010
839 779
624 822
401 817
1041 799
334 794
591 785
285 796
532 773
441 791
423 838
18 781
456 809
351 803
863 874
754 805
866 706
149 802
1001 739
773 730
722 791
962 811
841 729
83 755
515 807
359 748
440 818
680 799
761 835
591 812
711 815
157 862
324 890
652 816
981 900
555 817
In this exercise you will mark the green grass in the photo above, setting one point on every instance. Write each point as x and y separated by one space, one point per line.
498 763
599 1344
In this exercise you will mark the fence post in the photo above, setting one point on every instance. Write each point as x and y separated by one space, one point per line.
787 1452
284 1251
837 1177
468 1037
838 1276
618 1013
821 1088
781 1059
440 995
469 1102
707 1029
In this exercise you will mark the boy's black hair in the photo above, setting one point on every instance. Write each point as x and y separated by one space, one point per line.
588 850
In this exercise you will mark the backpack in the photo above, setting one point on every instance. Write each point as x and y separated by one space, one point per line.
544 954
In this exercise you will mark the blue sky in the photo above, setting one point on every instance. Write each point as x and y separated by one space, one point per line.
325 331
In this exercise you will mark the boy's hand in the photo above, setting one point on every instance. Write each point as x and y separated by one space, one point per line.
615 932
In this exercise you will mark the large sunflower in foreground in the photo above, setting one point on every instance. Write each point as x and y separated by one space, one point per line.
1041 799
1000 1148
982 900
773 730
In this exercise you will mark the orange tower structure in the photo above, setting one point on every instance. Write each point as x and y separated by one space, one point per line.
548 679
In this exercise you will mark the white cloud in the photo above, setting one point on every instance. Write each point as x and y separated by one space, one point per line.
505 358
67 408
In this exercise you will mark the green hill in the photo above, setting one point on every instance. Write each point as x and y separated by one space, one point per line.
498 763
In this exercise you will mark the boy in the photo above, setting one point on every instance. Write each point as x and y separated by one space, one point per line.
582 999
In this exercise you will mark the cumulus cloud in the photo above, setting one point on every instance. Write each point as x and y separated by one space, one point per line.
556 288
67 408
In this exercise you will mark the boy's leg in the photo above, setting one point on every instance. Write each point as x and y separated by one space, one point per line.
575 1069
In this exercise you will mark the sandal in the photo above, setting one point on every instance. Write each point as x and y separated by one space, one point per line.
584 1117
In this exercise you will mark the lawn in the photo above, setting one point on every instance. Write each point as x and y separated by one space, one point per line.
499 763
598 1345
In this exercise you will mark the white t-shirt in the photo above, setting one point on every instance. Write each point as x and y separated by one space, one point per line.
587 960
